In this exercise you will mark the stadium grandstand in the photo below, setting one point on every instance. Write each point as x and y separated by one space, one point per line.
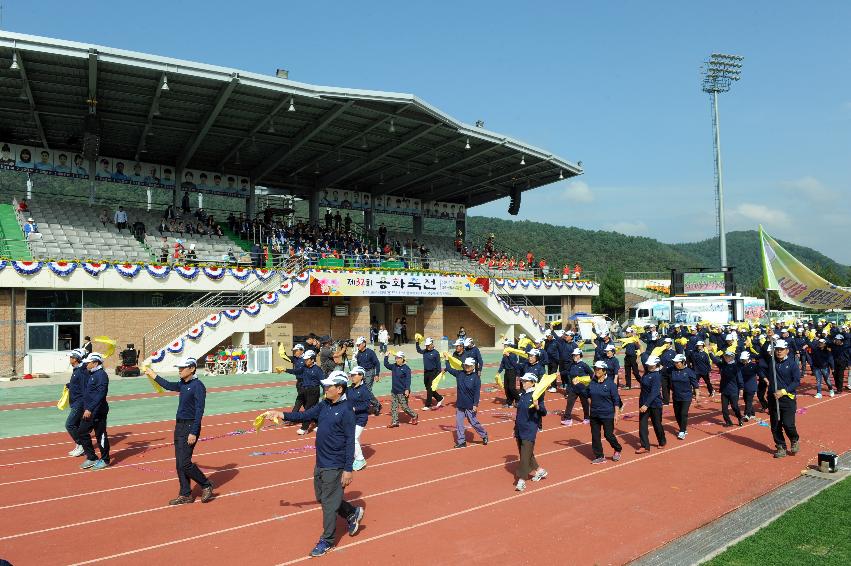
141 195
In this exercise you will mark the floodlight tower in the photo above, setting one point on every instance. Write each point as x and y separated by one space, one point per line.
719 72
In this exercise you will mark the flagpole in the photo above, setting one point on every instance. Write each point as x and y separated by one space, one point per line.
770 329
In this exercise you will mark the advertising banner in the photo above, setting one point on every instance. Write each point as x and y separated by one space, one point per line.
377 285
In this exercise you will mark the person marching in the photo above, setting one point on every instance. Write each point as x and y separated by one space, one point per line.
667 361
508 367
472 351
75 398
335 455
782 407
577 388
552 350
613 366
468 386
187 429
751 372
431 367
650 405
308 392
822 364
605 411
730 386
630 359
298 368
361 399
684 385
95 412
840 361
400 389
366 358
526 425
702 365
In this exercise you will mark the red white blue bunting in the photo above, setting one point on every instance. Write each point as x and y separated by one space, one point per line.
500 282
263 274
252 310
232 314
94 268
270 298
240 273
512 283
213 320
286 287
559 285
158 356
214 273
62 268
176 347
524 283
302 277
568 284
158 271
195 332
128 270
548 284
536 284
187 272
27 267
3 264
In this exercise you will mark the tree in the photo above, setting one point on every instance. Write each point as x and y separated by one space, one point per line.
611 298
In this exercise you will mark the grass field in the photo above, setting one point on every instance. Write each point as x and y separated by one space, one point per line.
815 532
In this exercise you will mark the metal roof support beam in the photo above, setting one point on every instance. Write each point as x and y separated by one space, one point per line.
306 134
93 81
29 94
484 180
221 100
272 113
378 153
434 169
154 108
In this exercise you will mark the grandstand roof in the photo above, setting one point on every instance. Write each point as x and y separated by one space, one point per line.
222 119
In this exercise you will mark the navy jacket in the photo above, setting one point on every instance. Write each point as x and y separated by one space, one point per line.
431 359
552 349
508 364
577 369
360 398
298 367
193 396
401 377
309 376
335 435
613 367
731 378
604 398
565 352
537 368
667 359
700 362
75 386
368 360
476 355
750 376
788 375
630 349
822 358
528 419
651 390
683 384
95 391
467 388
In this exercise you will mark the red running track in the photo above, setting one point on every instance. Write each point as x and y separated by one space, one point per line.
425 501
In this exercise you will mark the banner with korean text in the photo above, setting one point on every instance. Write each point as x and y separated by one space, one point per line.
379 285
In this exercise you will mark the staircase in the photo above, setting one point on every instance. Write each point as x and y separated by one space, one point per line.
507 320
216 316
13 245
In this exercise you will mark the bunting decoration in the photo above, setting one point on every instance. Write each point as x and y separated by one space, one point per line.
263 274
95 268
232 314
158 356
195 332
3 264
252 310
286 287
215 273
27 267
176 347
240 273
187 272
62 268
213 320
128 270
302 277
158 271
270 298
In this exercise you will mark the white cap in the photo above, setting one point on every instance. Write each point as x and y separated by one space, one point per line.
700 343
529 377
548 332
93 357
458 342
679 358
668 341
677 325
654 335
507 342
576 352
822 340
629 330
400 354
652 361
521 337
298 347
309 354
428 341
781 344
336 377
731 353
729 337
468 342
610 348
187 362
839 337
570 333
30 219
357 369
78 353
535 352
360 340
559 333
470 362
601 364
745 356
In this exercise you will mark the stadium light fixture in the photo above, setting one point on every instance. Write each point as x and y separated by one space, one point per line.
719 73
522 160
14 65
164 86
560 174
392 128
467 145
292 105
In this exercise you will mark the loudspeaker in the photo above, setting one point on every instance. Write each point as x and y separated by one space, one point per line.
514 205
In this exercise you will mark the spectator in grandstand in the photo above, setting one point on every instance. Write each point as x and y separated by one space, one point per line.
338 219
404 323
256 254
119 175
104 217
184 202
62 166
191 256
139 230
30 229
6 157
329 218
120 218
22 205
382 235
44 164
577 271
179 250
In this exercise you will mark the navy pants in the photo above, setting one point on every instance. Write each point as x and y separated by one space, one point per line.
186 468
72 422
84 436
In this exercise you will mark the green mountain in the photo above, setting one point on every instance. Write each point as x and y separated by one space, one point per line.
601 251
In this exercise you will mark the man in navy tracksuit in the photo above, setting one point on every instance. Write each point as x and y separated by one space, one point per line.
472 351
684 386
366 358
400 389
822 363
613 366
566 345
468 389
308 392
701 365
526 426
431 367
782 405
187 429
552 350
335 455
298 368
361 399
650 405
751 373
95 411
840 361
75 398
508 367
667 360
730 386
576 389
630 360
605 410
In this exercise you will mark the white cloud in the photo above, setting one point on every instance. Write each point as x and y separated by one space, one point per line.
628 228
810 187
762 214
578 191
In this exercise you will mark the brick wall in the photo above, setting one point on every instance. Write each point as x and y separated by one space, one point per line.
6 354
456 317
125 326
432 314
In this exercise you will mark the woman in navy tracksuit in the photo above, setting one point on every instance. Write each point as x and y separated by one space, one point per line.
431 367
362 400
650 405
751 372
613 366
95 413
605 410
468 389
508 367
684 385
576 389
701 365
75 398
526 425
731 386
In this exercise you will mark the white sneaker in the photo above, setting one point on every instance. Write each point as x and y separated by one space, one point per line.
301 431
439 404
540 474
520 486
818 395
426 408
832 393
78 451
681 435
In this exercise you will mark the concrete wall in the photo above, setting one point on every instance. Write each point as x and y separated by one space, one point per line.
456 317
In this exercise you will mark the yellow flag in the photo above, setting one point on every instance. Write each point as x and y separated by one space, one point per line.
435 384
682 341
157 387
418 337
542 386
65 400
260 419
628 340
583 379
657 351
519 352
108 342
454 362
498 380
283 353
525 342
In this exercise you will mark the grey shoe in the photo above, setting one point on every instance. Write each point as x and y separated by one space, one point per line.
781 452
796 446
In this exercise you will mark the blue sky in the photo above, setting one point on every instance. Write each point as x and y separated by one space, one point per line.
613 84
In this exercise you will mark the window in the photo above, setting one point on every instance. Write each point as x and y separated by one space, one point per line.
40 336
54 320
